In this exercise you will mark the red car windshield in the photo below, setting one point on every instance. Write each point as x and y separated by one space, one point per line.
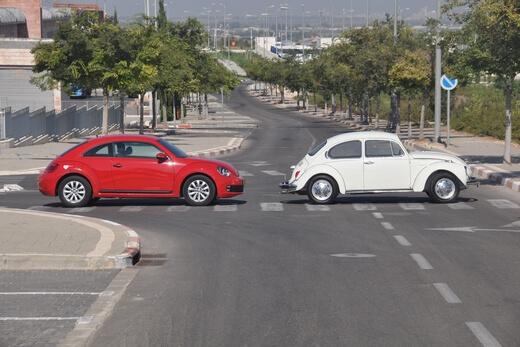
174 149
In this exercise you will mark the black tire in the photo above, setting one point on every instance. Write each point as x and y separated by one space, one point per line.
444 188
75 191
322 189
199 190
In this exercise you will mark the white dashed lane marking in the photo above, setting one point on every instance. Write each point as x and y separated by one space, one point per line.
482 334
447 293
402 240
422 262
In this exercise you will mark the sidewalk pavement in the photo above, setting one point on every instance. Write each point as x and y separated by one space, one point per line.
42 240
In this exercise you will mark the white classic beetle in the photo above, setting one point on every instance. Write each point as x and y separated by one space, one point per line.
376 162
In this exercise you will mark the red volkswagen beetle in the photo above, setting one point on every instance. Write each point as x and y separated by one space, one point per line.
136 166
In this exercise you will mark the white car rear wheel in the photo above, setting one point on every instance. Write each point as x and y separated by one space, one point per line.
322 190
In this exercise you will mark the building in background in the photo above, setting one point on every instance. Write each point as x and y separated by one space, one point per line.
23 23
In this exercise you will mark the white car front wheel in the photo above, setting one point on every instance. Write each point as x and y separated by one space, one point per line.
444 188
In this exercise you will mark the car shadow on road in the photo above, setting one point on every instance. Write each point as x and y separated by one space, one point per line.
111 202
377 199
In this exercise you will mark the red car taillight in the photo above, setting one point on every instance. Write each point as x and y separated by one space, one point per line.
50 168
297 174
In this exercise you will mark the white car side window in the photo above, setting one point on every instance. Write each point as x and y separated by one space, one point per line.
351 149
397 150
378 148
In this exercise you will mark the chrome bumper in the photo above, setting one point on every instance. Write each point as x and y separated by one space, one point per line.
473 181
287 188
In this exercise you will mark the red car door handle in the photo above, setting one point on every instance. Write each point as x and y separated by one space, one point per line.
118 165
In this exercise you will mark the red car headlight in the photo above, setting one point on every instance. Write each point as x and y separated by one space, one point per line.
223 171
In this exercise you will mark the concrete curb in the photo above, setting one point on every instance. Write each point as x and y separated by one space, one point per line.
104 256
234 145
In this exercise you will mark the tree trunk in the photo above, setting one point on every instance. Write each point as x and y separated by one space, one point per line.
104 127
507 139
122 111
154 110
409 119
423 107
141 113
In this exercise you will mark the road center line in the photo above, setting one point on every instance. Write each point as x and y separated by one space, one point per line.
56 293
482 334
402 240
422 262
447 293
387 226
377 215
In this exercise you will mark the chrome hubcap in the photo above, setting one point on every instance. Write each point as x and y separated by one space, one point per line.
322 190
445 188
198 190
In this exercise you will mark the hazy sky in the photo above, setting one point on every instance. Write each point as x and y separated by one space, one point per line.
182 8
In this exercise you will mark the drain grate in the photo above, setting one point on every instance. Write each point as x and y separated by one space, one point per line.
153 259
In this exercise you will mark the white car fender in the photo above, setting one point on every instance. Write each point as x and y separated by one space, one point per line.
422 178
321 169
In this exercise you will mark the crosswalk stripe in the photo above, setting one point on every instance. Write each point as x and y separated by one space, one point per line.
317 208
225 208
366 206
411 206
461 206
245 173
273 173
271 206
82 209
178 208
131 208
503 204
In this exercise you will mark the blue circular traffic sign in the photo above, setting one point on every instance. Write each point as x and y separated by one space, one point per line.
448 83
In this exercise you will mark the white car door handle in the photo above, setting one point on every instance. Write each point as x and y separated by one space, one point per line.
369 162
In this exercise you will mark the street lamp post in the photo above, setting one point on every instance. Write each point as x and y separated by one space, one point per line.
320 11
284 8
303 32
208 11
368 12
351 14
437 116
343 24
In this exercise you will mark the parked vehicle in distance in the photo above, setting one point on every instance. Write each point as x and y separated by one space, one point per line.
136 166
77 92
375 162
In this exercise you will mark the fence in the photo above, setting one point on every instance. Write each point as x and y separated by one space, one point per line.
24 128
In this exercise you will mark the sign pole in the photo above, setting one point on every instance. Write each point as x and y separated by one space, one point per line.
448 84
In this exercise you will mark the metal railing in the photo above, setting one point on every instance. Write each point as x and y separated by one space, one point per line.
26 127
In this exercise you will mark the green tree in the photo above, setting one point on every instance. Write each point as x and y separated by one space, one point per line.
492 30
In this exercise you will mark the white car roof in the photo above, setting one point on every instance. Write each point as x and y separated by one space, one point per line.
363 135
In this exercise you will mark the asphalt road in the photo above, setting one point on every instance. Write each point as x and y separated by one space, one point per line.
265 269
